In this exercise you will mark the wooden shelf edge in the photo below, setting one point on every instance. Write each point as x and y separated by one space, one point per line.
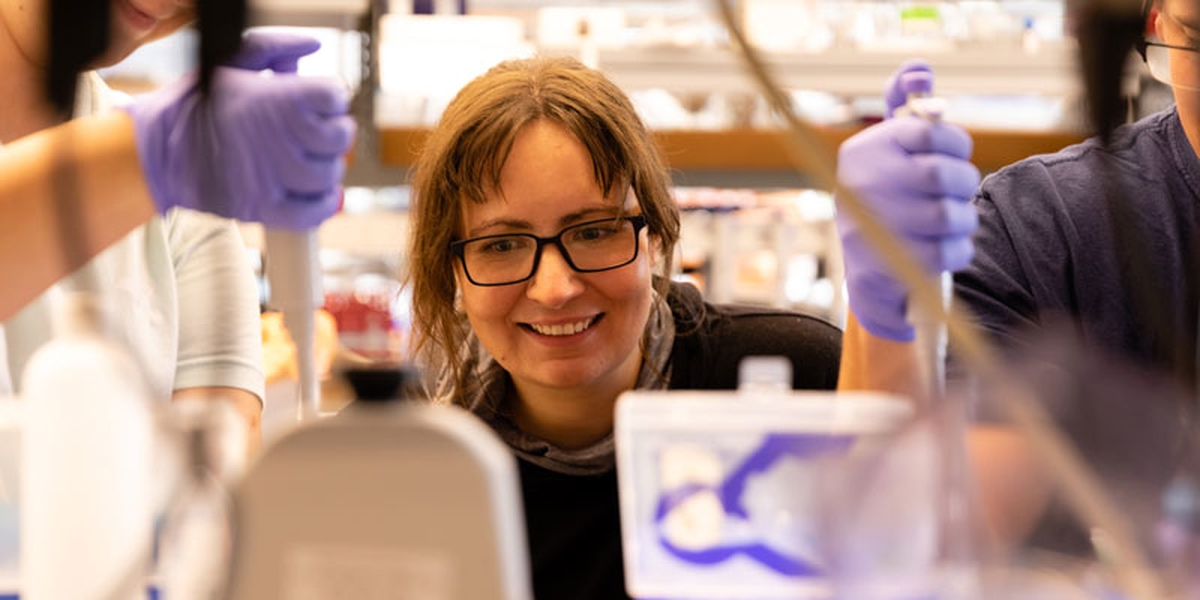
753 150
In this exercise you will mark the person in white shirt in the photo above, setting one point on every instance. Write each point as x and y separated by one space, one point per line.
188 303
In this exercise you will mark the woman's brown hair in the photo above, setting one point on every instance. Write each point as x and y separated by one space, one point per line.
462 159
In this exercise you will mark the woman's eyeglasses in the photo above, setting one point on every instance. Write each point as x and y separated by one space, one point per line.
589 247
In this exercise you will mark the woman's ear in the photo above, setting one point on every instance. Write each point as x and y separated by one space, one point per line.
654 246
459 280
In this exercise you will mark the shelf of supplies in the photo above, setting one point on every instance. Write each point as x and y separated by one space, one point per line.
380 233
971 68
757 151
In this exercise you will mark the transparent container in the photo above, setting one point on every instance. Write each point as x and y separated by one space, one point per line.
370 307
10 495
722 493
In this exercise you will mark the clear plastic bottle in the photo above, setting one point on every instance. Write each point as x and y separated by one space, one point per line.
86 517
196 538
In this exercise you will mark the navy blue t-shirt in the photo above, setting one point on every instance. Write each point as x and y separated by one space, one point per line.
1051 245
1103 239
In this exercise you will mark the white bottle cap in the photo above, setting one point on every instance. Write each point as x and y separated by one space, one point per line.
762 373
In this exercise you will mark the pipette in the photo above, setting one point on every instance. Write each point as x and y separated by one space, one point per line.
293 273
931 341
931 335
950 420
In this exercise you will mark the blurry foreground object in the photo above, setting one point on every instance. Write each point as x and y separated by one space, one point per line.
282 401
87 446
195 535
389 499
776 494
279 353
723 494
1136 427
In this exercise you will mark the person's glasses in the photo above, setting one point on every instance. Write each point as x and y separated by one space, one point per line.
1158 56
588 247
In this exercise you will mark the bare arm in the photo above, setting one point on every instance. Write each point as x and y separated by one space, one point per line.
1012 484
247 405
102 154
874 363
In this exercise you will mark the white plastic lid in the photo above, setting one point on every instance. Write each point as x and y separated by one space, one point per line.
759 373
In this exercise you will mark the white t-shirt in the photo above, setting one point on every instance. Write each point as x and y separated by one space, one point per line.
5 380
185 289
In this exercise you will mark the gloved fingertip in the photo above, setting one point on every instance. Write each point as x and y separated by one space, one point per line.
324 208
916 82
959 254
946 254
955 139
342 133
330 139
288 64
955 216
893 333
326 97
293 43
917 135
896 91
292 215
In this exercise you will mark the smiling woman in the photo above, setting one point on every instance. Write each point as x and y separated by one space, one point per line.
543 231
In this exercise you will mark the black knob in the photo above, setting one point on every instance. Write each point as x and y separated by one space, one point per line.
383 383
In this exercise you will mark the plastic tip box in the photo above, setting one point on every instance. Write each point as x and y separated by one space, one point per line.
731 494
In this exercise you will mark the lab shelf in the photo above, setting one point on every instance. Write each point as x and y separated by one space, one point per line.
379 234
971 68
752 152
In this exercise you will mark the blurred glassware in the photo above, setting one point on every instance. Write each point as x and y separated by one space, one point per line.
882 522
365 298
721 491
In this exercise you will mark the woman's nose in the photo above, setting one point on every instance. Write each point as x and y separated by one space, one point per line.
554 283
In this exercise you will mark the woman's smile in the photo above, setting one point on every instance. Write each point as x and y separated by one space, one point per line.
569 328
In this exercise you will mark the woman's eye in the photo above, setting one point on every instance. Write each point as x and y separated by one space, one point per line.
502 245
594 233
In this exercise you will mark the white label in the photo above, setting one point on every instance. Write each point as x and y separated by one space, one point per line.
322 572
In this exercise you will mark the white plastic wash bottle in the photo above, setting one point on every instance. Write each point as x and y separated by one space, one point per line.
86 520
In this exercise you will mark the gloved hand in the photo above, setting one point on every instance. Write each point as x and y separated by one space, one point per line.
260 149
915 176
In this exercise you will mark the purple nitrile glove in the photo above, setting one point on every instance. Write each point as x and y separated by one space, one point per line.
915 176
265 149
913 77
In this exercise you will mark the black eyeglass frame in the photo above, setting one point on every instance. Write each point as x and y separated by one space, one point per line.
1144 43
638 222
